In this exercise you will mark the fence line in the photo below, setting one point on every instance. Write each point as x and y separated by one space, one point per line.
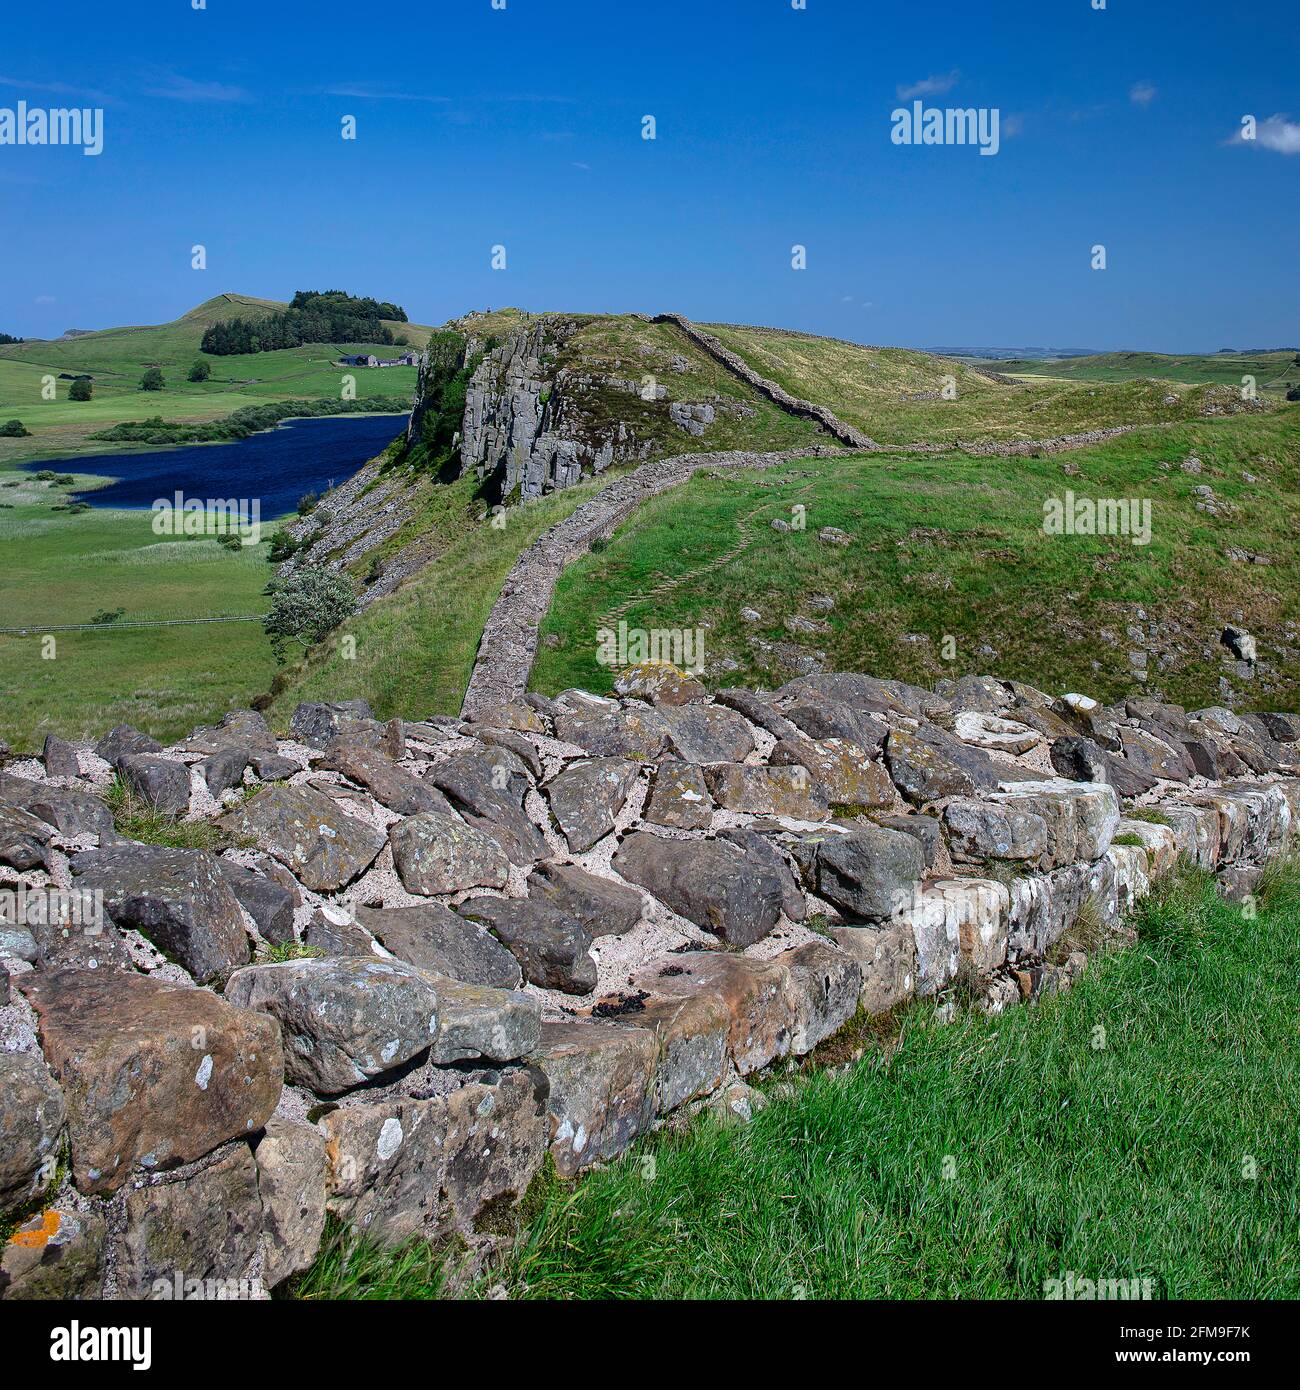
34 631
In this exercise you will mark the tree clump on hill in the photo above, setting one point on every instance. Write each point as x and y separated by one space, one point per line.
152 380
306 606
200 371
80 390
14 429
313 316
7 338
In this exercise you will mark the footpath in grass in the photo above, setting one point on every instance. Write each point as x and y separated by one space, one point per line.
1141 1126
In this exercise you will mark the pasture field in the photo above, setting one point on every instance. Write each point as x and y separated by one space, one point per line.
67 568
954 546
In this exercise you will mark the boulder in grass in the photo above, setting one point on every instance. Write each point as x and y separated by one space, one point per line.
162 783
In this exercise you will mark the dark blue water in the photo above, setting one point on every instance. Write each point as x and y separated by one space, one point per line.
275 467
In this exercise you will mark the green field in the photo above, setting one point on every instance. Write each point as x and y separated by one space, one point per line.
116 359
62 569
1273 371
1140 1126
955 546
891 393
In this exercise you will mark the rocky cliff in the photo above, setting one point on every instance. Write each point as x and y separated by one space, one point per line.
396 964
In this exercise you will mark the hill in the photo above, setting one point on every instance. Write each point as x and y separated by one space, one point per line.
1273 371
116 358
896 395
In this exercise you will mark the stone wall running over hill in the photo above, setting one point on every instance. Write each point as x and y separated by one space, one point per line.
415 958
847 434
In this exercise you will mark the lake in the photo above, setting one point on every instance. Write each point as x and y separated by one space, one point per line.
275 467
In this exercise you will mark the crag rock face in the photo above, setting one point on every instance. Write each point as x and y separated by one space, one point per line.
533 424
433 953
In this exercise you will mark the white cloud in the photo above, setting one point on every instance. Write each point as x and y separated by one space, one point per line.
174 87
367 92
932 86
1142 93
59 88
1277 133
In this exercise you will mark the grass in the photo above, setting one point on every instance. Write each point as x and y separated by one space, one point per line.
954 546
891 392
64 568
138 819
1273 371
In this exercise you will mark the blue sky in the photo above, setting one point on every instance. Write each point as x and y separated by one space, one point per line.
522 127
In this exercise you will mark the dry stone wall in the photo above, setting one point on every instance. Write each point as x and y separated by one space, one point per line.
418 957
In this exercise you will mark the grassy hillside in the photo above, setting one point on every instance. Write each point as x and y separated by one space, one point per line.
415 649
955 546
894 393
117 357
1273 371
977 1160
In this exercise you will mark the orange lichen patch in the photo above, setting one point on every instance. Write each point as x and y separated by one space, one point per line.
39 1231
